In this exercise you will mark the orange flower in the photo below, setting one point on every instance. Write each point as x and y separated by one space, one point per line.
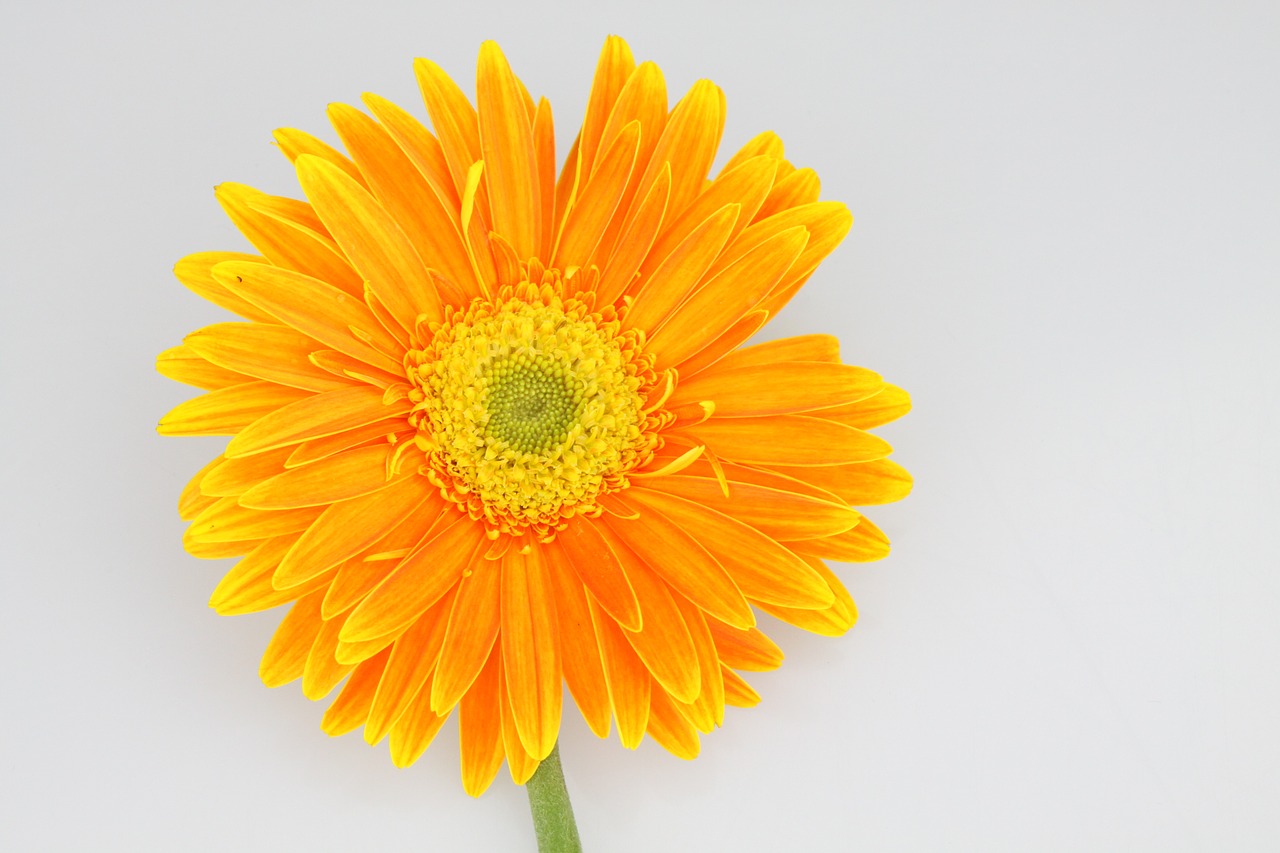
494 429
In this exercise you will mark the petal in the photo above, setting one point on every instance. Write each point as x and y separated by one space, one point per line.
530 653
401 189
780 514
626 676
750 649
862 484
368 235
778 388
761 568
473 629
663 644
181 364
350 710
590 555
638 233
799 440
737 692
824 348
419 145
264 351
613 69
347 528
521 764
344 475
227 521
226 411
480 729
579 651
315 416
863 544
295 143
247 587
706 712
390 431
506 146
888 405
286 654
726 297
798 188
595 205
413 660
669 727
678 275
419 581
323 671
678 559
689 142
196 274
316 309
454 120
765 144
834 621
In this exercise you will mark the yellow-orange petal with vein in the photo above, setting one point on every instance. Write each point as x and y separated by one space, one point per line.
579 650
783 515
295 143
506 146
834 621
670 728
414 730
345 475
192 501
706 711
418 581
347 528
530 652
862 544
748 649
351 709
196 274
315 416
264 351
228 410
227 521
663 643
777 389
591 556
763 569
591 215
323 671
286 654
182 364
888 405
798 440
627 679
763 144
480 729
247 587
473 630
737 692
413 660
860 484
824 348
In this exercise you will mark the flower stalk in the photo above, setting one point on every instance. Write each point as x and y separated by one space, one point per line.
552 812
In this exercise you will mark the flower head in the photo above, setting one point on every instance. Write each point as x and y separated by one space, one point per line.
495 429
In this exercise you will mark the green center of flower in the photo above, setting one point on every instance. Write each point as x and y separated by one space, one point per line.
532 401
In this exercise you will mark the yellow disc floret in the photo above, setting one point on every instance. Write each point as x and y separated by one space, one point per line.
531 406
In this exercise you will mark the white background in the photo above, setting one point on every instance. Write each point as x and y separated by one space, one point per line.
1065 246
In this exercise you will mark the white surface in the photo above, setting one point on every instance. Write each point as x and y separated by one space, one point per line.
1065 247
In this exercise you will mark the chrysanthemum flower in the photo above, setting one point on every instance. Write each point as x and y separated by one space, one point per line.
495 430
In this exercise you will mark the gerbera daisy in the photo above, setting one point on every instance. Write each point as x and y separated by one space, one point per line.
494 430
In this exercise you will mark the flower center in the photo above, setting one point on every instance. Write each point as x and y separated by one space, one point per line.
530 407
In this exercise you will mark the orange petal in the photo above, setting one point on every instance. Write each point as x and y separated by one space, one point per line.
286 654
227 521
347 528
862 484
780 514
226 411
834 621
863 544
350 710
419 145
750 650
613 70
264 351
778 388
283 240
638 233
506 146
889 405
595 205
579 651
196 274
315 416
390 431
706 712
726 297
247 587
295 143
824 348
800 187
678 558
663 644
480 729
799 440
689 142
530 653
191 502
589 554
413 732
680 272
737 692
544 151
454 120
404 193
472 632
316 309
732 338
669 727
626 676
181 364
345 475
761 568
370 237
418 581
765 144
323 671
413 660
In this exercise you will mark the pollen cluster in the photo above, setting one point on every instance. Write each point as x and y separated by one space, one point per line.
531 406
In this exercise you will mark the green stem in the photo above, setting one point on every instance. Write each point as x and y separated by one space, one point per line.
552 813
